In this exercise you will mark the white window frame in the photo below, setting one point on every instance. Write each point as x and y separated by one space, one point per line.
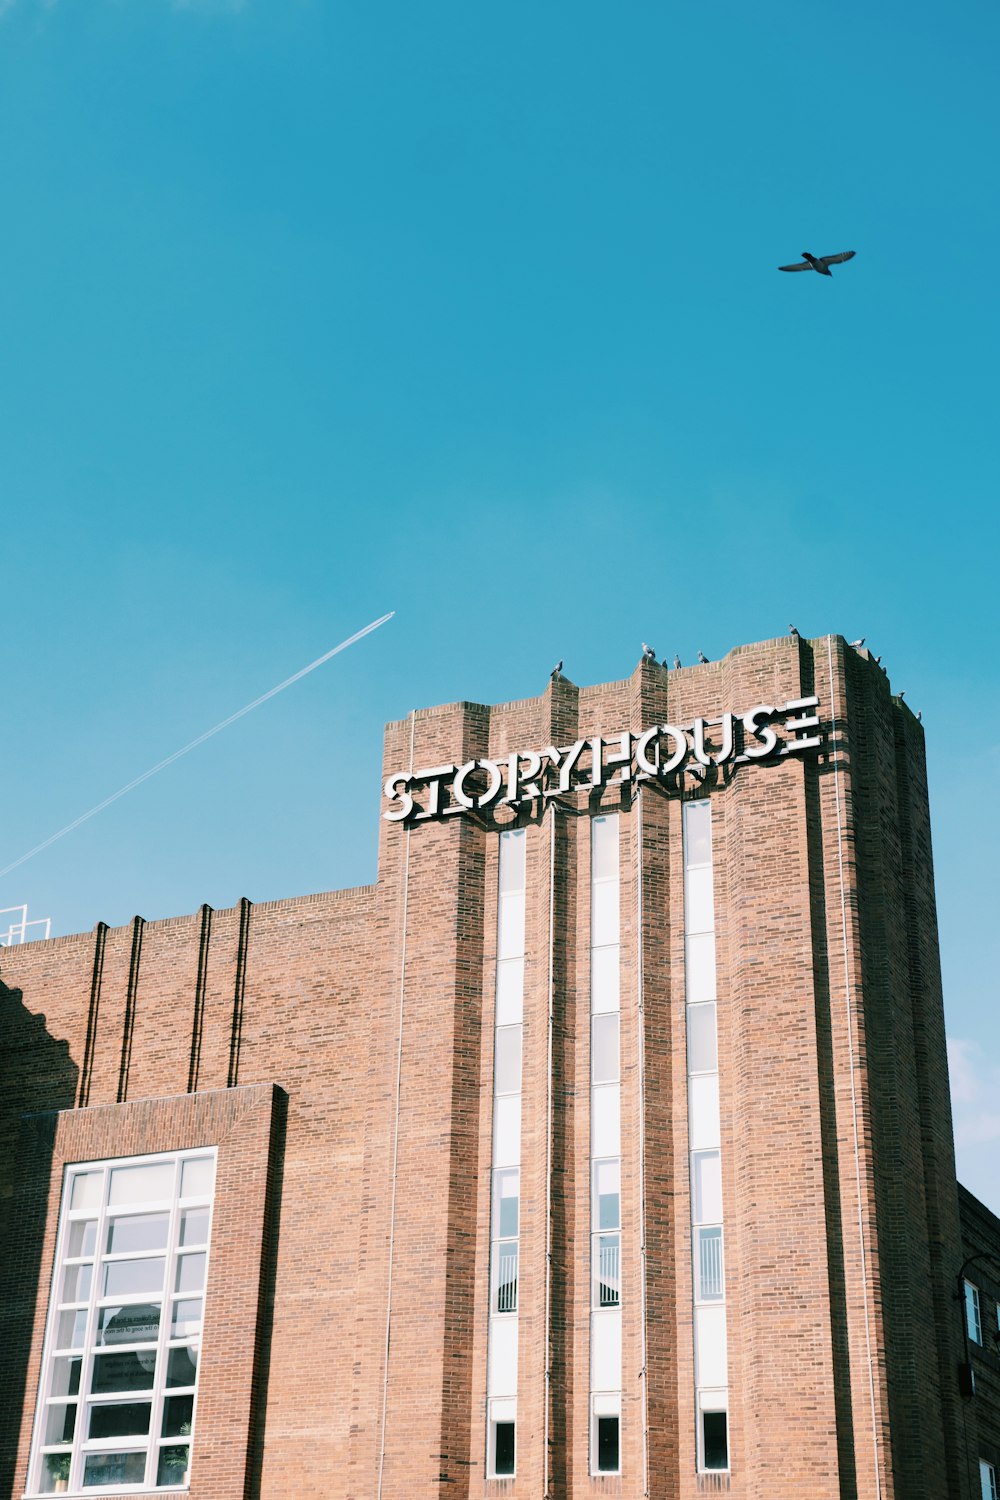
973 1313
604 1405
713 1401
987 1480
501 1411
81 1447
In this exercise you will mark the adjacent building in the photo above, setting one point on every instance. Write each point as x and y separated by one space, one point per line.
603 1146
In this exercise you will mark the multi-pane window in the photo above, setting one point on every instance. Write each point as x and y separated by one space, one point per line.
117 1399
973 1319
987 1480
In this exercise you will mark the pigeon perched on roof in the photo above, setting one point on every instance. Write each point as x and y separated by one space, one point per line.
556 669
677 661
820 263
648 652
858 643
702 657
792 631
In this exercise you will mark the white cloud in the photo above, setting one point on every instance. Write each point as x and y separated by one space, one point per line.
975 1093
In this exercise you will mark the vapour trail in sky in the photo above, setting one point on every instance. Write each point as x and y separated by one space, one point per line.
193 745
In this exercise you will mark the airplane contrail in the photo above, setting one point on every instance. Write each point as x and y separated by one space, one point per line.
161 765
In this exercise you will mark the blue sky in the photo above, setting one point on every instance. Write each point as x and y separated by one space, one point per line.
309 312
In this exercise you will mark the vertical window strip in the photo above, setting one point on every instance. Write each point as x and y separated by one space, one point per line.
707 1230
505 1177
605 1149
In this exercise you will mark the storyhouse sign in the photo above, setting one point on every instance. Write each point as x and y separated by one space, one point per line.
666 753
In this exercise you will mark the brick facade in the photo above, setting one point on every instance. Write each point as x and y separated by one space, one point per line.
338 1051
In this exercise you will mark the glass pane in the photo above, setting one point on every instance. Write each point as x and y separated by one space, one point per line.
111 1419
182 1366
606 1120
604 913
60 1423
972 1313
130 1370
700 955
604 1049
703 1099
82 1237
604 980
715 1439
187 1318
76 1283
503 1444
607 1445
173 1465
510 992
706 1172
607 1270
699 907
114 1469
512 847
702 1050
507 1077
190 1273
66 1375
607 1194
178 1413
510 942
146 1184
505 1257
604 848
128 1277
55 1472
86 1190
135 1324
697 833
71 1330
507 1131
708 1265
130 1233
194 1226
198 1177
506 1189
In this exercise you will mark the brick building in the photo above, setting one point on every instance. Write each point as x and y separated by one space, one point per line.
602 1147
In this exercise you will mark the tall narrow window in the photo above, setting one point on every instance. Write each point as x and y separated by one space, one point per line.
973 1320
605 1150
987 1480
120 1376
505 1213
707 1240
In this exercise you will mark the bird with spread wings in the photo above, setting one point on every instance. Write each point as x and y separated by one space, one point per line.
820 263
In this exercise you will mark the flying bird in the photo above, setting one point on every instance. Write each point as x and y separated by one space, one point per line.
858 643
556 669
702 657
648 652
677 661
820 263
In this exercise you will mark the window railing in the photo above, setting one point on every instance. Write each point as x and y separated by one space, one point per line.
505 1293
710 1282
